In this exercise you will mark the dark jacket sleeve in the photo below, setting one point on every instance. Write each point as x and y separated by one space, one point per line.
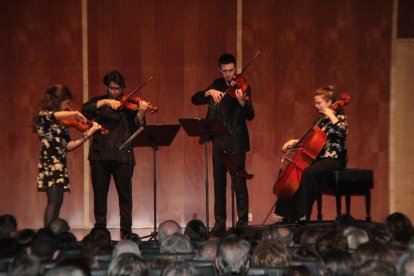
102 114
199 98
89 109
247 109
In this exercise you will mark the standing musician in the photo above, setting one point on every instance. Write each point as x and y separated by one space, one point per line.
105 158
233 112
333 156
55 142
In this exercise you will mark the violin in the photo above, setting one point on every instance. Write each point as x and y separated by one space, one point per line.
132 103
81 126
239 82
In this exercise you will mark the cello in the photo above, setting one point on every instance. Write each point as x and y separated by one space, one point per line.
302 154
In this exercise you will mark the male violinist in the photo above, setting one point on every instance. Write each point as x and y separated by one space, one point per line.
105 158
233 111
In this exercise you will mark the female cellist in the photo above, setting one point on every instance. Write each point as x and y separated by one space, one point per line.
55 142
333 156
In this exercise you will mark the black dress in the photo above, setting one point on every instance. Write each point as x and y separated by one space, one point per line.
52 167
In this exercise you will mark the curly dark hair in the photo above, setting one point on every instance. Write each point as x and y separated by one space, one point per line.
51 101
115 77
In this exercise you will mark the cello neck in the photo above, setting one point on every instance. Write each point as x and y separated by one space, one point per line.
316 123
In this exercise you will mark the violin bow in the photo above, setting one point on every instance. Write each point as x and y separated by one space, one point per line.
139 87
251 61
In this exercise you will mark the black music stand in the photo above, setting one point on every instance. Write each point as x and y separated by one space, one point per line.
155 136
203 128
127 144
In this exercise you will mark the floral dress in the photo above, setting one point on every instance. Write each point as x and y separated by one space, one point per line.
52 167
335 146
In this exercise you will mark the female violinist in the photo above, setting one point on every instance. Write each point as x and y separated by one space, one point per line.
55 143
333 156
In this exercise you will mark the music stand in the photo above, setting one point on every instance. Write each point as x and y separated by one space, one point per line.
195 127
155 136
127 144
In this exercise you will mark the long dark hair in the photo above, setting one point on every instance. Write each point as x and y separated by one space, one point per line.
51 101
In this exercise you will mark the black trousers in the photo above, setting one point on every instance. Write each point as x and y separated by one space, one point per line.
240 189
101 176
301 203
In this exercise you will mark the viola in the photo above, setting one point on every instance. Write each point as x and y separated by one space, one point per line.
301 156
81 126
239 82
132 103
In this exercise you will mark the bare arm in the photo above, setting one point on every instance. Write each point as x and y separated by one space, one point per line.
72 145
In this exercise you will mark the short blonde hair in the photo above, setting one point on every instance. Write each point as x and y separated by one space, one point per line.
327 93
270 253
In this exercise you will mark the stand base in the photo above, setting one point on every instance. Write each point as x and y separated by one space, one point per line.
152 237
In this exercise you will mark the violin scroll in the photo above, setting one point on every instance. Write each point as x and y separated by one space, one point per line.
345 99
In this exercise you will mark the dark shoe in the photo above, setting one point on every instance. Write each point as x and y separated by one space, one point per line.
125 233
99 228
219 232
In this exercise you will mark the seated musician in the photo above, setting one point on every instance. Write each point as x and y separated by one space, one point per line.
333 156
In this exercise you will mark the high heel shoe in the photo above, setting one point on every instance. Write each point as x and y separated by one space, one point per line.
277 218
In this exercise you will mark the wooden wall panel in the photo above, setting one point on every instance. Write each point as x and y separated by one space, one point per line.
306 44
402 151
405 25
43 47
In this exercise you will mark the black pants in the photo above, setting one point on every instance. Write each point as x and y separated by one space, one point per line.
240 188
101 176
301 203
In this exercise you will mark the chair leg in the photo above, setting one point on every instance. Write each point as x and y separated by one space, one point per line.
338 204
319 202
348 204
368 204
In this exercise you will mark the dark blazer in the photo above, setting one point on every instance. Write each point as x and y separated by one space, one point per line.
233 116
121 125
